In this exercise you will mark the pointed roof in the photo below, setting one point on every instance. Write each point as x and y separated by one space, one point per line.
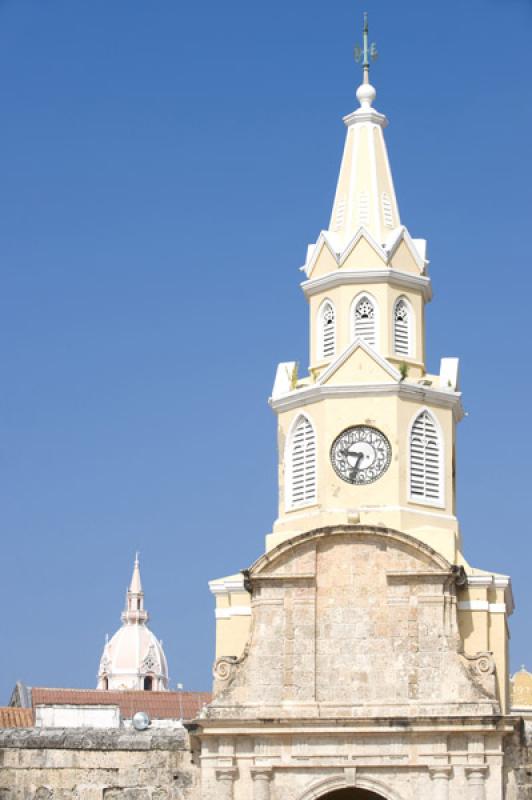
134 612
365 194
136 586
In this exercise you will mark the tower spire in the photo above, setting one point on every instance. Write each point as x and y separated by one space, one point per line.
365 194
134 612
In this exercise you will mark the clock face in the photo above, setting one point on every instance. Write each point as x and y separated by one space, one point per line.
361 454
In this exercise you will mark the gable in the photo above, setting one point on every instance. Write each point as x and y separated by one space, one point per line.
324 261
363 255
403 259
359 364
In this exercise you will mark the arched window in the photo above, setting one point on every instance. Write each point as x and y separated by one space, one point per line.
426 480
301 464
105 683
148 683
364 320
402 325
327 331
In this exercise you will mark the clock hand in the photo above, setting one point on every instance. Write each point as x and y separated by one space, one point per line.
354 470
352 453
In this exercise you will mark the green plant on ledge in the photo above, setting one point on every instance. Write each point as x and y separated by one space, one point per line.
403 369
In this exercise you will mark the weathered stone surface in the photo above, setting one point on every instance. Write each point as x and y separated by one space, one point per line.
354 676
362 621
93 739
43 764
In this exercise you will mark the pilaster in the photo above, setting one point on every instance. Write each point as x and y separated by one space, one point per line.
440 777
476 780
262 776
225 777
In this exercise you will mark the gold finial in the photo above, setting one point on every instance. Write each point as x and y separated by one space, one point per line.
366 53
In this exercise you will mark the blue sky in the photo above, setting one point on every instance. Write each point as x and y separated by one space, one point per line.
163 166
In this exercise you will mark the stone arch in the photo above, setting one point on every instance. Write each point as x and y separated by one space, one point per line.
389 535
331 789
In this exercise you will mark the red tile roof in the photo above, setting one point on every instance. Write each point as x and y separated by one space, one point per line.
159 705
16 717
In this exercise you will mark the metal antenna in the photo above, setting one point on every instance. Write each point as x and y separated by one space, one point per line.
366 53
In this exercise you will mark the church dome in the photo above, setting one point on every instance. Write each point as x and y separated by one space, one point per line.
134 658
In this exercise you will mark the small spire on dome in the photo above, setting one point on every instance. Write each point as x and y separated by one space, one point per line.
366 93
136 586
135 612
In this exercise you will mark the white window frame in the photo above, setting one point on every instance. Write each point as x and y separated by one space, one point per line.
411 326
376 311
288 464
426 501
321 330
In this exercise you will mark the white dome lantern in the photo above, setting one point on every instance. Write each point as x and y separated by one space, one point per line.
134 658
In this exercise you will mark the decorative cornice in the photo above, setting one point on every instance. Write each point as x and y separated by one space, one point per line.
498 582
402 280
421 394
361 115
482 605
232 611
227 585
337 724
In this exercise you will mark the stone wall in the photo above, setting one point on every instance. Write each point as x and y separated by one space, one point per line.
518 764
89 764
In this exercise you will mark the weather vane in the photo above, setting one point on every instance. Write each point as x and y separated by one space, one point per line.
366 53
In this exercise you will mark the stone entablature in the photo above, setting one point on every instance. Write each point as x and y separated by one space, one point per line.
407 760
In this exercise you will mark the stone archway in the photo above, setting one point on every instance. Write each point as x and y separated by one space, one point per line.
352 794
334 788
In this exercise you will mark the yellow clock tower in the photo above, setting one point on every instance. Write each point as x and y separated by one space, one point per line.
367 437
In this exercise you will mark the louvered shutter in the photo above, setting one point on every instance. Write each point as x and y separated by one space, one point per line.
364 322
401 329
387 210
328 331
302 473
340 215
363 208
425 460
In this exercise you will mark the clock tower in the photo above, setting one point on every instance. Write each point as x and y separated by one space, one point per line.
367 436
363 604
